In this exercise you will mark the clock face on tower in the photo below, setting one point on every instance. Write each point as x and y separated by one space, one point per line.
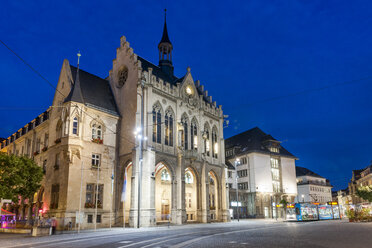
189 90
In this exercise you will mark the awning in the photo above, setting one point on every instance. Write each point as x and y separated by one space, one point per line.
4 212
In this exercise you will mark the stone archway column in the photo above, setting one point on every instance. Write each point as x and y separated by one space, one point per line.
147 211
225 215
180 215
205 216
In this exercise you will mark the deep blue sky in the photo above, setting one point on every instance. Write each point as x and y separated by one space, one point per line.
242 51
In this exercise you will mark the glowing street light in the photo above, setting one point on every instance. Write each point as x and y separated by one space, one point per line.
237 162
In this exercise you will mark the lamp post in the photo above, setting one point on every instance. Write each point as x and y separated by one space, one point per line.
237 162
141 138
303 198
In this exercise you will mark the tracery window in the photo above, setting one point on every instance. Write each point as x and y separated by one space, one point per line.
185 134
168 128
97 131
188 177
156 124
206 141
194 135
214 143
165 175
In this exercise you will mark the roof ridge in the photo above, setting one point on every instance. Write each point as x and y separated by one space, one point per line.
89 73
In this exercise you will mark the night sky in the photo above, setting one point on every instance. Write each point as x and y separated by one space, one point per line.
251 56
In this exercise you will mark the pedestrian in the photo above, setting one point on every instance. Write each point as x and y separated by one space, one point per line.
54 225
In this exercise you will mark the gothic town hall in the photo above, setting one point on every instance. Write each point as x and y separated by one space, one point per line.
141 133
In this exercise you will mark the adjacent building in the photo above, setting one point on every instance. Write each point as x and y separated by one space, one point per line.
140 125
311 187
362 177
262 170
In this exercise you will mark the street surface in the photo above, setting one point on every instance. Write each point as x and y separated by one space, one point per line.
246 233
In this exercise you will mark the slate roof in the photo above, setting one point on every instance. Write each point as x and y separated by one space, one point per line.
157 72
94 92
301 171
253 141
165 37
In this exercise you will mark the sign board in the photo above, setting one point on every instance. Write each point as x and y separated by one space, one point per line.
5 201
79 218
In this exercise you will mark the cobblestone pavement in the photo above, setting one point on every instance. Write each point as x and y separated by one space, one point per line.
246 233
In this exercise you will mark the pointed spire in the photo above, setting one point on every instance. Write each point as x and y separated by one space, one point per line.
165 37
75 93
165 50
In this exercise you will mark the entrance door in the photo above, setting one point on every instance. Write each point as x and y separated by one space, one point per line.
165 212
266 211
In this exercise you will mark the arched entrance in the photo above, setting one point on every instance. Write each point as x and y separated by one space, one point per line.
126 191
213 196
163 193
190 195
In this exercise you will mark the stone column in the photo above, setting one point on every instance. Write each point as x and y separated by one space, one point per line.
225 215
147 210
205 216
180 216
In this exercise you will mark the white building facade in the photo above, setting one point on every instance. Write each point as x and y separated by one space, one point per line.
265 174
311 187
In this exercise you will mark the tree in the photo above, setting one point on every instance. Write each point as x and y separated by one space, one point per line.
365 192
19 176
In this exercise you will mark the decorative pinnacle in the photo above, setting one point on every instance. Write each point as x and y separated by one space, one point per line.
78 54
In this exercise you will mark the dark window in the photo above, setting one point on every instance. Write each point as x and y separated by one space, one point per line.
44 166
37 121
186 135
55 196
90 218
98 218
158 124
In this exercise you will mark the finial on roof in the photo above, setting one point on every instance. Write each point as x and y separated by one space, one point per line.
79 55
76 94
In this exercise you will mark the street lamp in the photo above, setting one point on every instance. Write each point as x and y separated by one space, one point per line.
237 162
303 198
138 133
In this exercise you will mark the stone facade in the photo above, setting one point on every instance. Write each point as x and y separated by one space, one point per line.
182 171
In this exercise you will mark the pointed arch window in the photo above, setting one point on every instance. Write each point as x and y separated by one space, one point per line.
168 128
156 122
97 133
206 141
214 143
194 136
165 175
185 134
189 179
75 126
